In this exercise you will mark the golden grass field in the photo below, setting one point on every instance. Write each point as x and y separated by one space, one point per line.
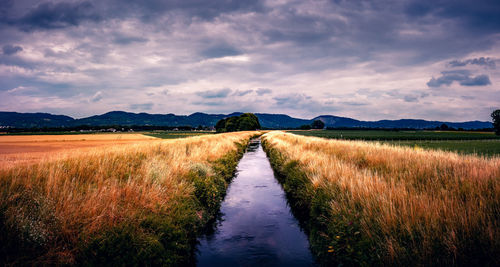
21 149
79 204
396 205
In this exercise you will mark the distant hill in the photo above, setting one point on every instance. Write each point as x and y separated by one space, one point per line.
277 121
195 119
334 121
128 118
274 121
30 120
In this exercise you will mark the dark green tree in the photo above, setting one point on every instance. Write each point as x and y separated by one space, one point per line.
495 115
232 124
444 127
220 127
318 124
244 122
248 122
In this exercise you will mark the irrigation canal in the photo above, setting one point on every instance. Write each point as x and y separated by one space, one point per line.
256 227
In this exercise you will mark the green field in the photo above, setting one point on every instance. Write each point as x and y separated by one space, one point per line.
480 147
374 135
481 143
176 134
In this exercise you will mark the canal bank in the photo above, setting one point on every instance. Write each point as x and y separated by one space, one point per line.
255 226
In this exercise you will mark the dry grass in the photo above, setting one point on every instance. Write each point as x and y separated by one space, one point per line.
413 206
26 149
72 137
59 205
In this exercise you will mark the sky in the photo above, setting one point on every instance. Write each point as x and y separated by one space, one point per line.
369 60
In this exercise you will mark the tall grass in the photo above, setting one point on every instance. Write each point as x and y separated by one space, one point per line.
368 203
141 203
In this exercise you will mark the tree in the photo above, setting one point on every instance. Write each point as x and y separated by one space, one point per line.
443 127
232 124
495 115
244 122
305 127
220 127
248 122
318 124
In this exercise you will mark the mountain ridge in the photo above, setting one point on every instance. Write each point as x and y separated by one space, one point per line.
267 120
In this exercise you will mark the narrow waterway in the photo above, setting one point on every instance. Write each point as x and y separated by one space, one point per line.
256 227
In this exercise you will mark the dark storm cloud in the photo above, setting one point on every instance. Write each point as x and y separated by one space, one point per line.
292 100
49 15
221 50
150 10
11 49
263 91
143 106
417 9
480 80
295 101
463 77
482 61
481 15
409 97
242 92
354 103
56 15
208 103
290 46
125 40
217 93
15 61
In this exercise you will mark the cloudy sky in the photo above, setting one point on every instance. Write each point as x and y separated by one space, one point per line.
368 60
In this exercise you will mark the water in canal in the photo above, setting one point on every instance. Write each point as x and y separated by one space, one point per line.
256 226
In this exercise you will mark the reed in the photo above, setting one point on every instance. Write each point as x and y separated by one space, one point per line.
135 203
370 203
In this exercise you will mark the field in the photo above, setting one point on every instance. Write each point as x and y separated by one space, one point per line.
365 203
18 149
476 147
140 202
481 143
130 199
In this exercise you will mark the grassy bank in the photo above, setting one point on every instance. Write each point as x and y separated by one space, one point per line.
371 204
142 203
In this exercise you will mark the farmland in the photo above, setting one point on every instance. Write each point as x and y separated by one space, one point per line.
145 198
20 149
380 135
481 143
136 202
367 203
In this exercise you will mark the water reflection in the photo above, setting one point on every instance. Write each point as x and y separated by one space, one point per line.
256 226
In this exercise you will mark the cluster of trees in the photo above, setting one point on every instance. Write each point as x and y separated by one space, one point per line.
495 115
317 124
244 122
